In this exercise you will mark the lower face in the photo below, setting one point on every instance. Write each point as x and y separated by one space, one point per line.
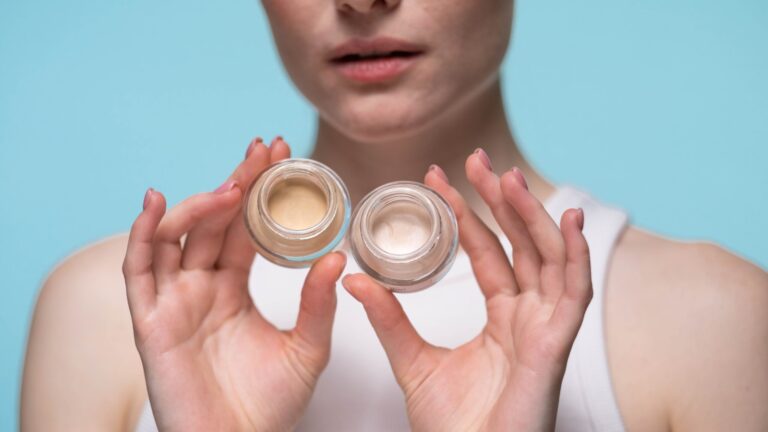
446 51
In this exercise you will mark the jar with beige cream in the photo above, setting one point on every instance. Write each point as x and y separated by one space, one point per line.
297 211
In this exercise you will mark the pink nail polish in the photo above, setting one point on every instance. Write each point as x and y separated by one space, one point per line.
580 218
227 186
484 158
520 177
439 171
251 146
148 197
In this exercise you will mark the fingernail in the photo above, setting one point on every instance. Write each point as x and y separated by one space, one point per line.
252 146
580 218
520 177
344 283
276 139
147 197
484 158
439 171
227 186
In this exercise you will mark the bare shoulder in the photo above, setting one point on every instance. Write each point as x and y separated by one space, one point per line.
82 371
687 332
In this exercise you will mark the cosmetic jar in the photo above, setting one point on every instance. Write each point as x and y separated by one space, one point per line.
404 235
296 211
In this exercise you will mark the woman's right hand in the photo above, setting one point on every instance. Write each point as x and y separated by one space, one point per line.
211 361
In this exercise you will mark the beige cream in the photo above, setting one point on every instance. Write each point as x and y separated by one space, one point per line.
297 204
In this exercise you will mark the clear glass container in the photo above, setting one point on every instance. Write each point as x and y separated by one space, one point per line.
296 211
404 235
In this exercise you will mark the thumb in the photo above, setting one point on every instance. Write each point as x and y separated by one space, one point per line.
317 307
401 342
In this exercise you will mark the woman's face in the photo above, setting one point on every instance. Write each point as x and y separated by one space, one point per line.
379 69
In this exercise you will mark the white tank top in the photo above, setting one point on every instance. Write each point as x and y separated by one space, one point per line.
357 391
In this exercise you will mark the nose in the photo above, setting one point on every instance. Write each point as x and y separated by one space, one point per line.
365 6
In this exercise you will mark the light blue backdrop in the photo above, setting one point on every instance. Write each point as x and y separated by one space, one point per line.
658 106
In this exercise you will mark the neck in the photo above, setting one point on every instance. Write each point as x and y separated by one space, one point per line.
479 122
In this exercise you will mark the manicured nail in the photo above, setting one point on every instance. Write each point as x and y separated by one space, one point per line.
227 186
580 218
252 146
439 171
520 177
276 139
484 158
148 197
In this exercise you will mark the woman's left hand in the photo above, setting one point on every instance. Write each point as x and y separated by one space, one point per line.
509 376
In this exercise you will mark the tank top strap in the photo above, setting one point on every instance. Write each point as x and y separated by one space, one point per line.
587 400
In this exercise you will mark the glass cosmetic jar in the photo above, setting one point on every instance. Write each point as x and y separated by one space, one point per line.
404 235
296 211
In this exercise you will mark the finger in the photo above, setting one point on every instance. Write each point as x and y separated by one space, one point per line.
525 256
254 142
572 304
401 342
279 150
183 218
137 265
543 231
252 165
314 324
489 261
204 241
237 251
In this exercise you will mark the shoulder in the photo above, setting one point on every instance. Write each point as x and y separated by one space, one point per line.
82 370
687 325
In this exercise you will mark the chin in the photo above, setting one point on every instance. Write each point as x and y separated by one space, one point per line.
383 118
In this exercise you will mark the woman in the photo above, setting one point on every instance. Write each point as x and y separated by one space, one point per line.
674 338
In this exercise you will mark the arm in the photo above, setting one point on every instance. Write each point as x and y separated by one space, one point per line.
720 353
687 330
82 371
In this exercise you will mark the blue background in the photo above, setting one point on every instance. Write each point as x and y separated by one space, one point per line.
658 106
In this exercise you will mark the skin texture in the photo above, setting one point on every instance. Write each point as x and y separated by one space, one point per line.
686 328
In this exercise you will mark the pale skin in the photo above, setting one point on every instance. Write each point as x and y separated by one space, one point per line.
686 328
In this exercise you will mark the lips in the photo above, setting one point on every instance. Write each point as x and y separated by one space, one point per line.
374 60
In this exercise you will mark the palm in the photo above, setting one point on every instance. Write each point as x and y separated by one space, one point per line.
473 377
211 361
508 377
211 345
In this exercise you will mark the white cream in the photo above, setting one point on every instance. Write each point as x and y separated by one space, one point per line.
401 227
